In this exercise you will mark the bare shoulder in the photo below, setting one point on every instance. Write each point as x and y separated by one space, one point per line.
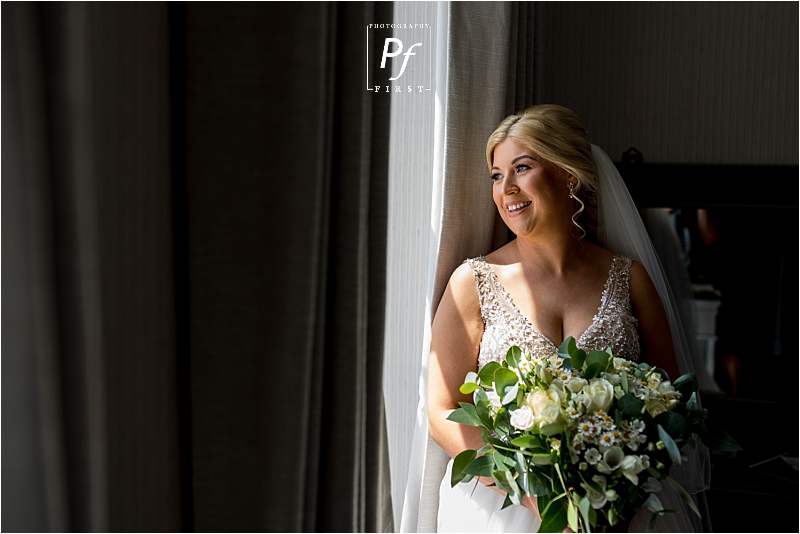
643 293
639 278
462 293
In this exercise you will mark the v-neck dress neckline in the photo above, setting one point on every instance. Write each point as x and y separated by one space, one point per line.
598 314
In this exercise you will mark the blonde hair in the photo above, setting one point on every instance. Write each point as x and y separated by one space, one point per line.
556 134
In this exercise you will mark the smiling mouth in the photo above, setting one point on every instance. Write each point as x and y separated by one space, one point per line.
519 209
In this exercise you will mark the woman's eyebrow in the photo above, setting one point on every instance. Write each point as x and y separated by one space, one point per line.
515 160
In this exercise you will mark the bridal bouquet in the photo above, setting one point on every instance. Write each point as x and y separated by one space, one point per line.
592 436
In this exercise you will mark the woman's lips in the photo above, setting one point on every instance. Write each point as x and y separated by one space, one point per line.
517 212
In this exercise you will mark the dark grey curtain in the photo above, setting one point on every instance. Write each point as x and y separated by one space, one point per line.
194 219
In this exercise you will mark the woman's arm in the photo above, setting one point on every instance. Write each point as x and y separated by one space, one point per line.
455 343
654 335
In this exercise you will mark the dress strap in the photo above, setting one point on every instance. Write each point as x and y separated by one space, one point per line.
621 282
484 287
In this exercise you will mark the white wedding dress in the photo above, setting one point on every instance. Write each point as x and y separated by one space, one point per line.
471 507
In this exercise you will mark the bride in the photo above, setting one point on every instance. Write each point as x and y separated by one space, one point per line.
563 275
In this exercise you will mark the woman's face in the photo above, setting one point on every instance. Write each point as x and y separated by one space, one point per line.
520 176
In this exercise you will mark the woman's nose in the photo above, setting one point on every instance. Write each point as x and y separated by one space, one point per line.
510 184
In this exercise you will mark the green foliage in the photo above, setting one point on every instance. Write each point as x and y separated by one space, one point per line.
465 415
481 466
468 388
686 384
460 464
630 405
554 515
486 374
572 515
669 444
513 356
527 441
674 424
596 363
503 378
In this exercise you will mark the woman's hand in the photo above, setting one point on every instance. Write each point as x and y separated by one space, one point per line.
530 504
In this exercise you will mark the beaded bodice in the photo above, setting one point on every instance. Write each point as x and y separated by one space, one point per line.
613 325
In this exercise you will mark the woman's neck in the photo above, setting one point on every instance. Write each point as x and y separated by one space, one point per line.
556 252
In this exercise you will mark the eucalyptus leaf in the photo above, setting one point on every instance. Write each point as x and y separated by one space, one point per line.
572 515
537 486
483 409
584 506
466 415
468 387
630 405
486 374
510 395
513 356
460 464
522 469
568 347
481 466
516 494
503 378
592 370
600 358
527 441
669 443
686 384
692 404
578 359
624 379
674 424
555 518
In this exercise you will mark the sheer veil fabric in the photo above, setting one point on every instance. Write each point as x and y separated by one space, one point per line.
621 230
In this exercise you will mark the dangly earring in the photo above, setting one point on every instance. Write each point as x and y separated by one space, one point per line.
574 215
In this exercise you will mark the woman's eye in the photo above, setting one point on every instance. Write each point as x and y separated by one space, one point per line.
497 176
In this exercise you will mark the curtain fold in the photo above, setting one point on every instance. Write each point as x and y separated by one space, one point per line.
88 398
488 76
195 210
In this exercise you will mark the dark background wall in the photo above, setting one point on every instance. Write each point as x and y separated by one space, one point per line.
684 82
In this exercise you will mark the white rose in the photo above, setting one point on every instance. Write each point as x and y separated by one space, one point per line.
554 391
522 418
538 399
576 384
601 393
550 413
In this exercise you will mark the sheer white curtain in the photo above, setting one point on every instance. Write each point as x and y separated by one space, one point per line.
437 175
